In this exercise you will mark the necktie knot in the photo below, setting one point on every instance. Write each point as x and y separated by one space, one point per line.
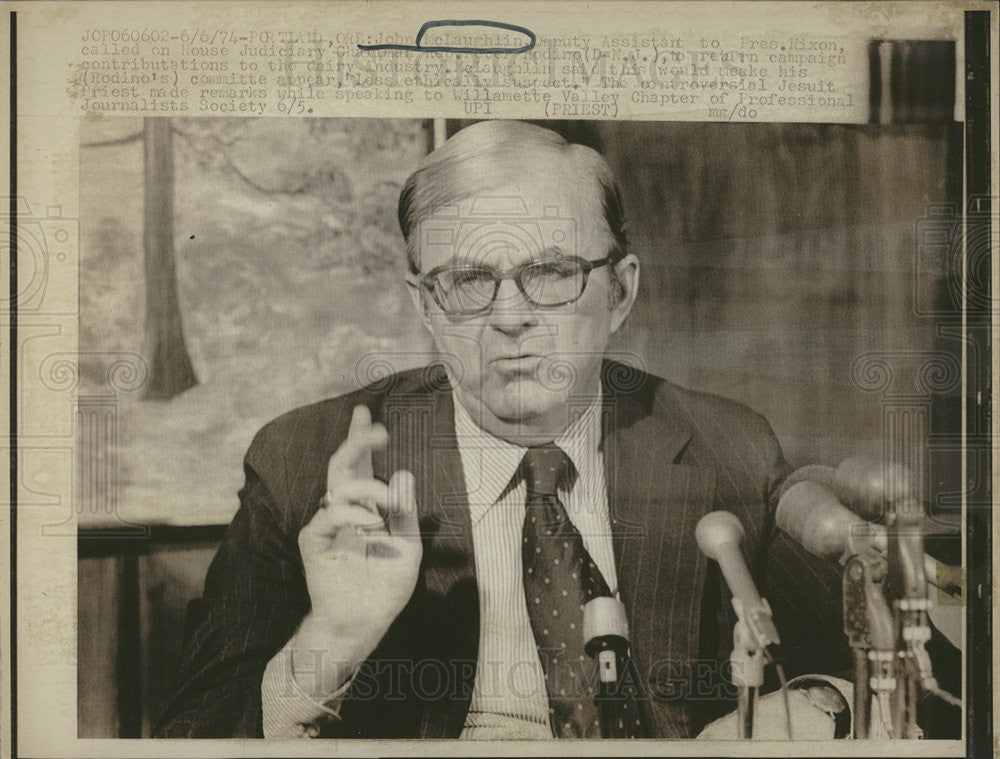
545 468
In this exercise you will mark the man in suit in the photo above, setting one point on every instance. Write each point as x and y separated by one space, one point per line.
384 577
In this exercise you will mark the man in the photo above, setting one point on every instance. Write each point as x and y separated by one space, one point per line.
386 575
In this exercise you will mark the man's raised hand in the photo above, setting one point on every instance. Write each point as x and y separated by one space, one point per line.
361 552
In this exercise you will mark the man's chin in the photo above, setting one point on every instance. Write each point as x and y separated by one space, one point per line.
524 400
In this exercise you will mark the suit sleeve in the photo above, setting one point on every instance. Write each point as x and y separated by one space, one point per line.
804 591
254 597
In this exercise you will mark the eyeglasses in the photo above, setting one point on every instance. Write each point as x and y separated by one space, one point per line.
467 290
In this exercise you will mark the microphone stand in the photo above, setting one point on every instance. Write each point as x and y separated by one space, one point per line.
871 634
910 602
747 660
884 582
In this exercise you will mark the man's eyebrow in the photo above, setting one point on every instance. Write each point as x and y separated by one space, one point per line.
553 251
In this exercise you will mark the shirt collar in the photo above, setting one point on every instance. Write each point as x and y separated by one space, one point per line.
489 463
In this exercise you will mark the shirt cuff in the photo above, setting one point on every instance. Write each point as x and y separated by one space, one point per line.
290 712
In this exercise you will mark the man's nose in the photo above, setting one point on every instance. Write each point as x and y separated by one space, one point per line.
511 312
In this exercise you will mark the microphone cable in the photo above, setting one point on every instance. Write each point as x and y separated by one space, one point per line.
780 669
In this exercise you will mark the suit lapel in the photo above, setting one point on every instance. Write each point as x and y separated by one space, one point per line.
654 503
445 605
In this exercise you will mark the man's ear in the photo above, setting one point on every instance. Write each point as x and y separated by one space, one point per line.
627 270
419 297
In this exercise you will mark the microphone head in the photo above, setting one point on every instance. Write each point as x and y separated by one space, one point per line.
868 487
603 616
812 515
824 475
716 530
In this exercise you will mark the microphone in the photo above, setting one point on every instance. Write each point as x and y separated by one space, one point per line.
824 475
719 535
814 517
867 487
605 638
829 517
605 634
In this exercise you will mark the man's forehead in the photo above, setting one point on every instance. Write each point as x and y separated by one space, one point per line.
512 206
497 227
493 205
558 210
528 197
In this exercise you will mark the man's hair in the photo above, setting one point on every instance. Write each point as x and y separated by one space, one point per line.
489 155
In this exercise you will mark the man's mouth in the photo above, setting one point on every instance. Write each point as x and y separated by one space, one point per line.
524 362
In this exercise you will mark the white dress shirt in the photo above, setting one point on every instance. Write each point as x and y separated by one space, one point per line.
509 699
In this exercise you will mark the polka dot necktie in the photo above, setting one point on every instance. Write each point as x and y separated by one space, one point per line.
559 579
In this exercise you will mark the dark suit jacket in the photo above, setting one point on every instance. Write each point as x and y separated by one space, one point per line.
671 455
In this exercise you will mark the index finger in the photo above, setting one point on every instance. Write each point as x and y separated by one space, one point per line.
353 457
